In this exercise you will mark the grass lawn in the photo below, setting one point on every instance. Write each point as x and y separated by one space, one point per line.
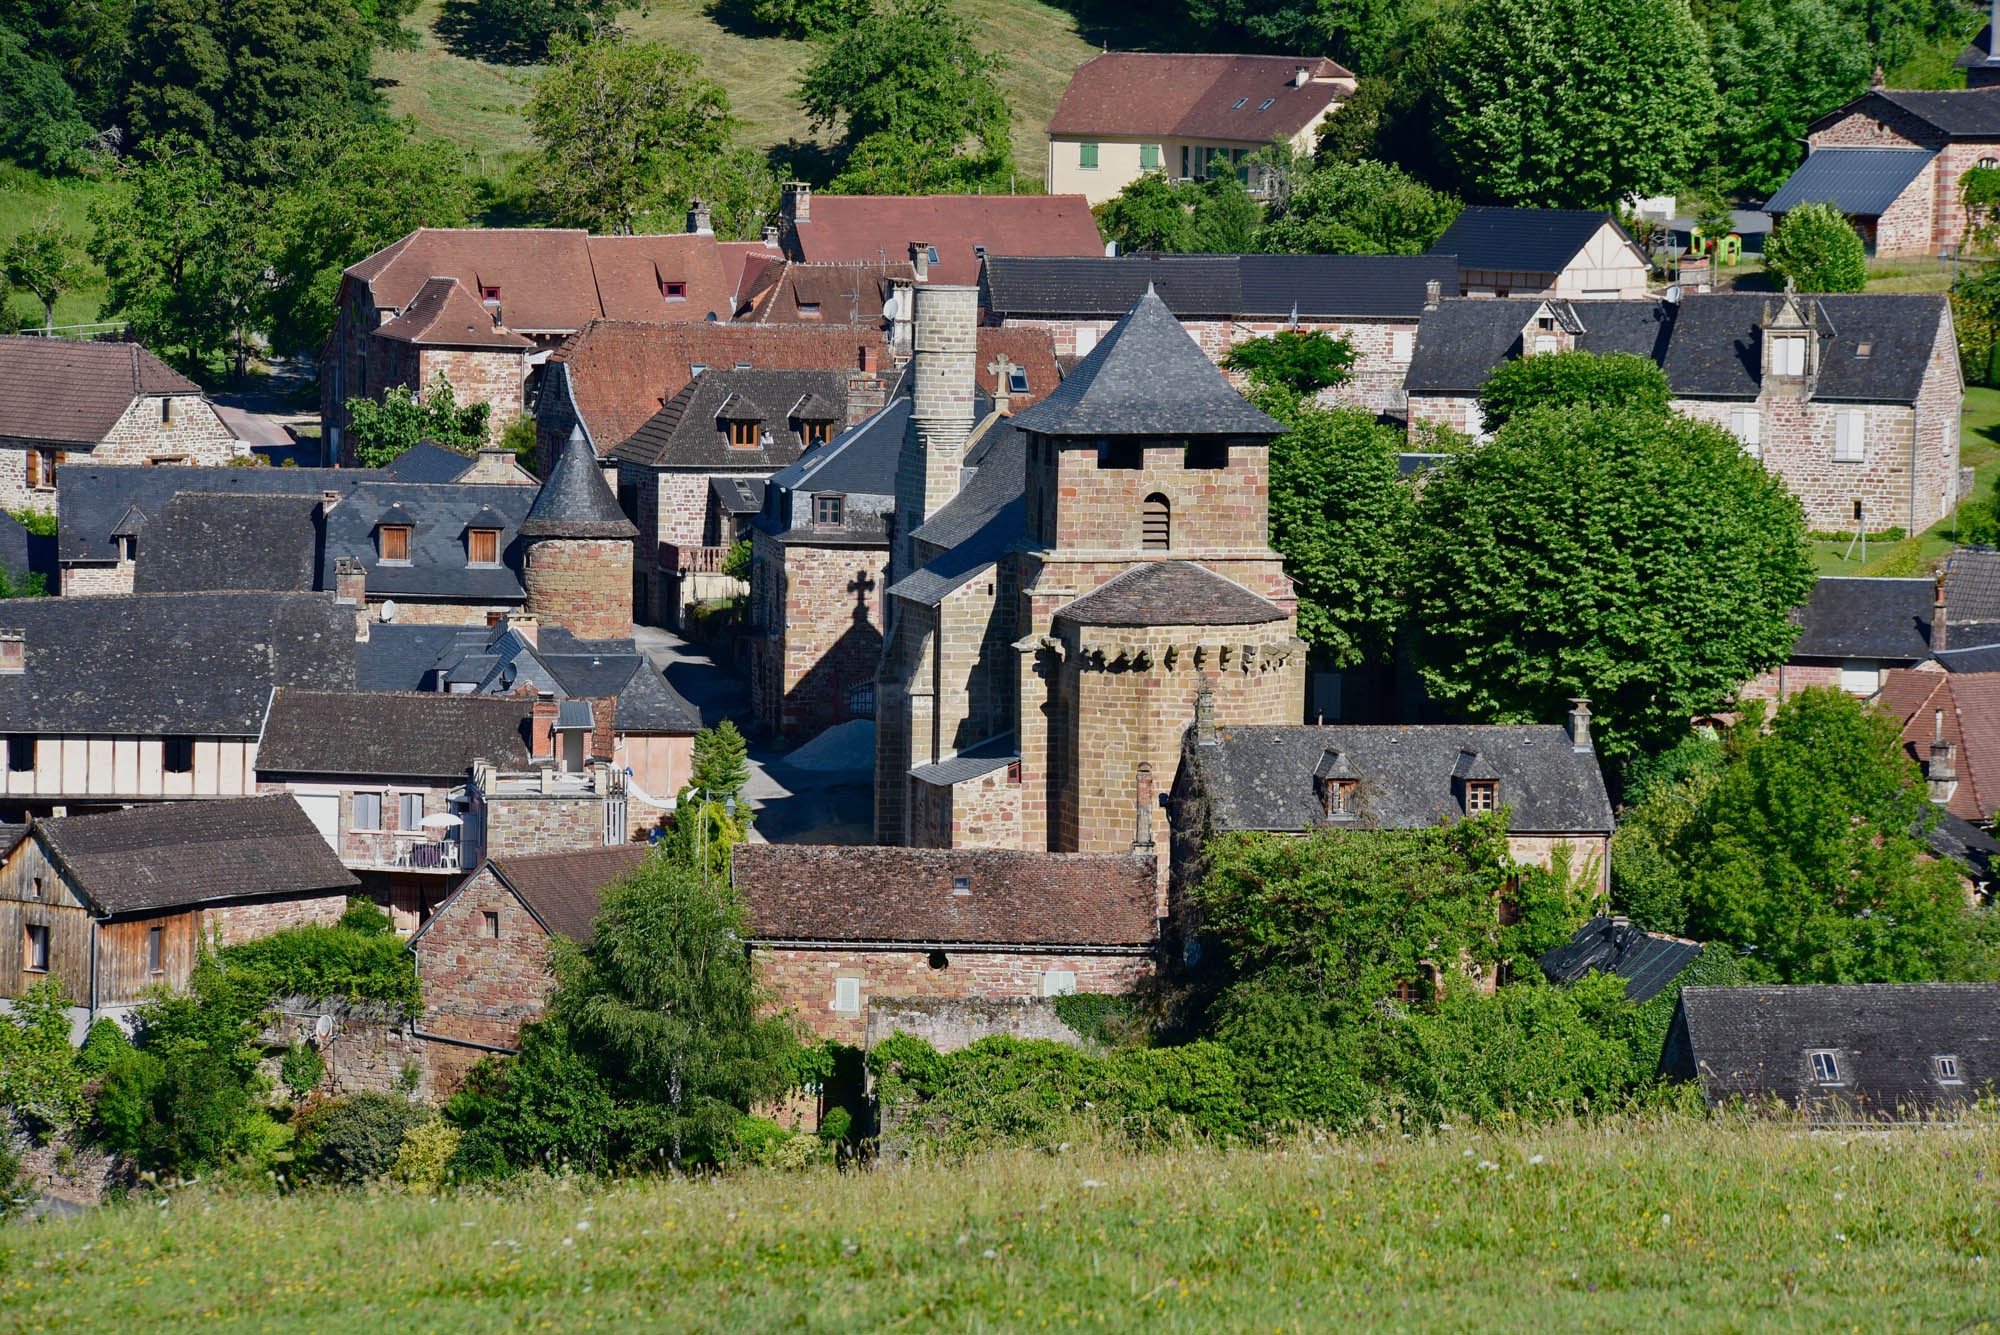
1627 1225
28 200
478 105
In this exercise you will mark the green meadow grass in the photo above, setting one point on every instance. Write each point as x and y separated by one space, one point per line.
1622 1225
29 200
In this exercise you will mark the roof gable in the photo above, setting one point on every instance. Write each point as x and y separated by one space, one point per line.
1242 98
1490 236
693 430
67 391
444 314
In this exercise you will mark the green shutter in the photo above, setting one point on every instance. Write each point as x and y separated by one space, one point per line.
1149 157
1086 155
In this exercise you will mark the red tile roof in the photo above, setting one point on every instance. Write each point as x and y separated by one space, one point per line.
444 313
1961 708
1031 349
633 274
790 292
912 896
70 392
565 889
740 259
875 228
1196 96
620 373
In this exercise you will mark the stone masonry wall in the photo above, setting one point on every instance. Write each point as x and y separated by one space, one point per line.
478 987
1211 509
244 922
801 980
195 436
369 1049
832 636
86 581
581 584
951 1024
1781 683
542 823
418 612
495 378
986 812
1909 225
1585 853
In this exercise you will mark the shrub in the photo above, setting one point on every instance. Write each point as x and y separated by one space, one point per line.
301 1068
173 1113
328 963
103 1047
366 917
358 1138
423 1160
39 1077
1818 250
17 1190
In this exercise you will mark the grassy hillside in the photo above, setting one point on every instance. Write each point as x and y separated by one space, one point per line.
1622 1226
28 200
479 105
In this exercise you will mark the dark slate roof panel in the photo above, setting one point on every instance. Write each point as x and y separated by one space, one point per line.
1146 377
691 431
95 499
1325 287
1520 240
207 541
1850 616
738 495
419 735
439 516
1975 850
576 502
1960 113
1972 585
999 479
1647 962
428 461
174 854
1862 182
1170 593
171 663
1977 658
974 761
1317 287
402 656
1262 778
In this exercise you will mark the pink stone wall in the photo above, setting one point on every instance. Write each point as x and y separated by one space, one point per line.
245 922
477 987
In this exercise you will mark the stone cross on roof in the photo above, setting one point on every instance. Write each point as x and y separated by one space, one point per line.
1002 398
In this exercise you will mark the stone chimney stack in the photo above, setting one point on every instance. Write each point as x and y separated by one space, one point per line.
920 260
542 730
1579 724
1942 771
698 219
527 627
1434 290
1881 80
945 344
327 500
770 238
795 202
350 582
1940 621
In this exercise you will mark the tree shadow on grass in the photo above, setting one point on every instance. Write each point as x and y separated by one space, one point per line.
477 31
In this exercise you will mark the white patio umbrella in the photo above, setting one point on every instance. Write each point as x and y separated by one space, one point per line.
440 820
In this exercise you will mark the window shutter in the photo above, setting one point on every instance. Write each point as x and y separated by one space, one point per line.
1850 435
1086 156
1149 157
34 468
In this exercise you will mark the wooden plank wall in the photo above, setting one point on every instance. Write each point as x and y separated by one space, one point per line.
56 908
122 976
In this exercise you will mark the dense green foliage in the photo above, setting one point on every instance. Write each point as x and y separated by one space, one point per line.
382 429
1816 249
1638 558
916 103
1778 65
1573 380
330 963
1664 794
40 262
1358 33
1298 363
809 18
40 1080
1358 208
522 32
40 125
1215 216
357 1139
1576 103
720 765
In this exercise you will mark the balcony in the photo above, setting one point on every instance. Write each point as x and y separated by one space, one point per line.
401 850
692 560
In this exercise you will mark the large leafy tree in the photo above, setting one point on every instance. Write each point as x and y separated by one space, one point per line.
1358 33
630 133
381 430
1808 854
1816 249
86 45
41 262
179 251
917 104
1576 103
40 124
348 193
1152 213
1358 208
1633 556
1574 380
1778 65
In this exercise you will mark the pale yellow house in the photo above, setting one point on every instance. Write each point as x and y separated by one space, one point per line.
1190 117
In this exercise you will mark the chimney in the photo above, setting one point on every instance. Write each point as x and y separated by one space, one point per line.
1880 80
920 260
796 201
1143 803
770 238
1433 293
494 463
327 500
1204 714
946 345
1940 621
1301 77
1942 771
1579 724
698 219
528 628
350 582
542 730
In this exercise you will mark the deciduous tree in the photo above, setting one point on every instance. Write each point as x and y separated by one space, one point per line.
40 124
1778 65
383 429
1816 249
1358 208
1574 380
522 32
41 262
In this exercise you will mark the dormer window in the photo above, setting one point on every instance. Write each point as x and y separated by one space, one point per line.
809 310
13 651
1481 795
482 547
394 540
1945 1068
673 291
1825 1067
742 435
815 433
696 368
1336 799
829 511
1788 355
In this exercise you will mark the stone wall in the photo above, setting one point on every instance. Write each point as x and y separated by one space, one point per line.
980 812
803 980
1586 853
581 584
951 1023
829 641
420 612
368 1049
1084 505
1781 683
195 435
518 823
243 922
479 988
495 377
96 580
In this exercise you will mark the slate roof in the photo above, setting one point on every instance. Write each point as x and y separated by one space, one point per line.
1169 593
424 735
860 462
1754 1042
203 541
65 391
1957 113
1975 850
692 431
1976 658
1708 345
96 499
563 890
996 753
176 854
1236 98
1962 708
1860 182
439 516
1648 962
1978 52
738 495
617 374
1851 617
906 896
985 519
871 228
1146 377
576 502
1262 778
1972 585
444 314
428 461
1315 287
170 663
1491 236
402 656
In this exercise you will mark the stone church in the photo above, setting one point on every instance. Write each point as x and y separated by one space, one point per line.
1064 582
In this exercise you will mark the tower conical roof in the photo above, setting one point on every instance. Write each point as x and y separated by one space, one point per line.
576 502
1146 378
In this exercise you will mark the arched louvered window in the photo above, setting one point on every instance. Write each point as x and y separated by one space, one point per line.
1156 523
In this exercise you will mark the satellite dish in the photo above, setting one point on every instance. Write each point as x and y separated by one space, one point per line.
892 309
388 609
323 1028
1673 295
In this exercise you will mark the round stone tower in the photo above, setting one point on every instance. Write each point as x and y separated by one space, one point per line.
577 550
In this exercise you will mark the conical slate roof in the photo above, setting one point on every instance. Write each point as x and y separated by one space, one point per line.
1146 378
576 502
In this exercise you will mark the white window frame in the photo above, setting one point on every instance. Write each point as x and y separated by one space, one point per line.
1747 425
1788 355
1860 676
1947 1070
1850 435
846 996
1825 1066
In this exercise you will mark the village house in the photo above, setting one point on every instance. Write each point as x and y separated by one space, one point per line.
446 334
1855 631
835 931
1372 301
64 402
1979 60
1141 570
1851 400
1879 1052
949 235
1891 161
1188 117
1298 778
1951 728
116 903
1576 254
1972 852
863 293
110 701
1649 962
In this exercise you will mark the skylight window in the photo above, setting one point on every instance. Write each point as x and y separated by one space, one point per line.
1946 1070
1241 102
1825 1067
1017 380
1268 103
